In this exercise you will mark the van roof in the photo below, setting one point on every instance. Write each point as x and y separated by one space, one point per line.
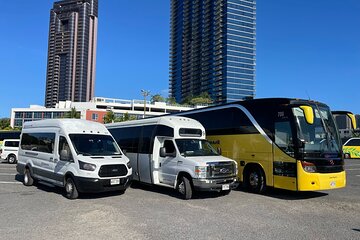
68 125
172 121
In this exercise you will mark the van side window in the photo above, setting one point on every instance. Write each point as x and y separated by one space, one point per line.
169 146
64 150
11 144
39 142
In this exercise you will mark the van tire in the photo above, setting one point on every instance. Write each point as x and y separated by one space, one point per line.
185 188
255 180
70 189
28 179
11 159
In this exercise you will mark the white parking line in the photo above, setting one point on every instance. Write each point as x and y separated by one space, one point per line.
351 165
357 175
8 174
353 169
1 182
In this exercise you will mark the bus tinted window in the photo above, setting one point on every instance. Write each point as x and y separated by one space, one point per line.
40 142
224 121
127 138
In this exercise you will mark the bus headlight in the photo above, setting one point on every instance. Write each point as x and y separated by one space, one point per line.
201 172
87 166
308 167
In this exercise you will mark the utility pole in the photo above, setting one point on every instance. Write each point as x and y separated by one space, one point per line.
145 93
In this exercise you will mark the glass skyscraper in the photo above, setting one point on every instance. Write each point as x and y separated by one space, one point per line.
213 44
72 51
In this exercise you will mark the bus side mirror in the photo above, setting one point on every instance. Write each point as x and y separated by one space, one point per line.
353 120
308 113
162 152
301 143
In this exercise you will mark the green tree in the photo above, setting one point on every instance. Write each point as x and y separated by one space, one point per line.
5 123
72 113
203 98
126 117
171 100
157 98
109 117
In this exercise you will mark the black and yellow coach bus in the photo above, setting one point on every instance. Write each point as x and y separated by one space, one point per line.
284 143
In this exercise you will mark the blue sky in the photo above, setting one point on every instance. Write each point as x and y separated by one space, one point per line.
307 48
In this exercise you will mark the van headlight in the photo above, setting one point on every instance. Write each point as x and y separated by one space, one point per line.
201 172
87 166
128 164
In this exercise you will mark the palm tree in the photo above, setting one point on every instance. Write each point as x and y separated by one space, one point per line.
109 117
72 113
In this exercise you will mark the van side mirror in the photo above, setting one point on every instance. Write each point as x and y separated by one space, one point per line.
162 152
65 155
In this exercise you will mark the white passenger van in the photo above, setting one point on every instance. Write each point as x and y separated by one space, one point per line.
79 155
172 151
9 150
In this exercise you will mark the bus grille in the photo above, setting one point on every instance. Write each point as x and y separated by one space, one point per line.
113 170
222 169
329 169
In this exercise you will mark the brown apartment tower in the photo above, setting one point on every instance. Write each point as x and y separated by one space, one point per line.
72 51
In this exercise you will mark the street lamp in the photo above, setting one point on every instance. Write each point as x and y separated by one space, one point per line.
145 93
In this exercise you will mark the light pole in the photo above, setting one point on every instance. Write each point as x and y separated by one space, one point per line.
145 93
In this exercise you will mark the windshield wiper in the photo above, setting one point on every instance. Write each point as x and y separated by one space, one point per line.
83 153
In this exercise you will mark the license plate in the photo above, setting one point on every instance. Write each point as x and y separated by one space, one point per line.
225 187
333 184
115 181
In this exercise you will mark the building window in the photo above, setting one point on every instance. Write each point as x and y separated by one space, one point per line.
94 116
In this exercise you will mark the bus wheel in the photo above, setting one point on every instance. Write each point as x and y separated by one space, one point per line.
184 188
255 180
28 180
70 189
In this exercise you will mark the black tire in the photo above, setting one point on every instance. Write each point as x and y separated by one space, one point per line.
28 179
70 189
11 159
184 187
255 180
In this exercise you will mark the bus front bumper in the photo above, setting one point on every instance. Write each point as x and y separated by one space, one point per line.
220 184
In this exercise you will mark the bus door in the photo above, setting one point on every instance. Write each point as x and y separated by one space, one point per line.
284 162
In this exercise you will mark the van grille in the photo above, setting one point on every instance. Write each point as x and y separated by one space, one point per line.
222 169
113 170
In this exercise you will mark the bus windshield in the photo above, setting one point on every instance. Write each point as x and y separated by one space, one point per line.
195 147
94 145
321 136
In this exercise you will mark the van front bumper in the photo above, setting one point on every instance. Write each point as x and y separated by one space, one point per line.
215 184
94 185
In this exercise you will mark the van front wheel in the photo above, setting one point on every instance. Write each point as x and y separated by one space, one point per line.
185 188
28 180
70 189
11 159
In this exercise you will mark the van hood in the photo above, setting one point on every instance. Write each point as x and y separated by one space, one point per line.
203 160
104 160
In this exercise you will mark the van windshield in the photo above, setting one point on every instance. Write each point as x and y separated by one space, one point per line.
195 147
94 145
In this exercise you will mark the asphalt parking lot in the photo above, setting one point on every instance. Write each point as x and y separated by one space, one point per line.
146 212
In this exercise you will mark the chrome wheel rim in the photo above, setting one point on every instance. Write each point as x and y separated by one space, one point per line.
182 188
11 159
26 179
254 179
69 187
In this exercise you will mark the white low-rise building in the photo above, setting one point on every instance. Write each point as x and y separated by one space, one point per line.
95 110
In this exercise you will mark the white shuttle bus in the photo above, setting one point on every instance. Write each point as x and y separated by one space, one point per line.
79 155
172 151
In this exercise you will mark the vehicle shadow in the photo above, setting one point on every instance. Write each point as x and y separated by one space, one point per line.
356 229
286 194
172 192
48 187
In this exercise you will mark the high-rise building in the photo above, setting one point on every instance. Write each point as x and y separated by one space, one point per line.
72 51
213 49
